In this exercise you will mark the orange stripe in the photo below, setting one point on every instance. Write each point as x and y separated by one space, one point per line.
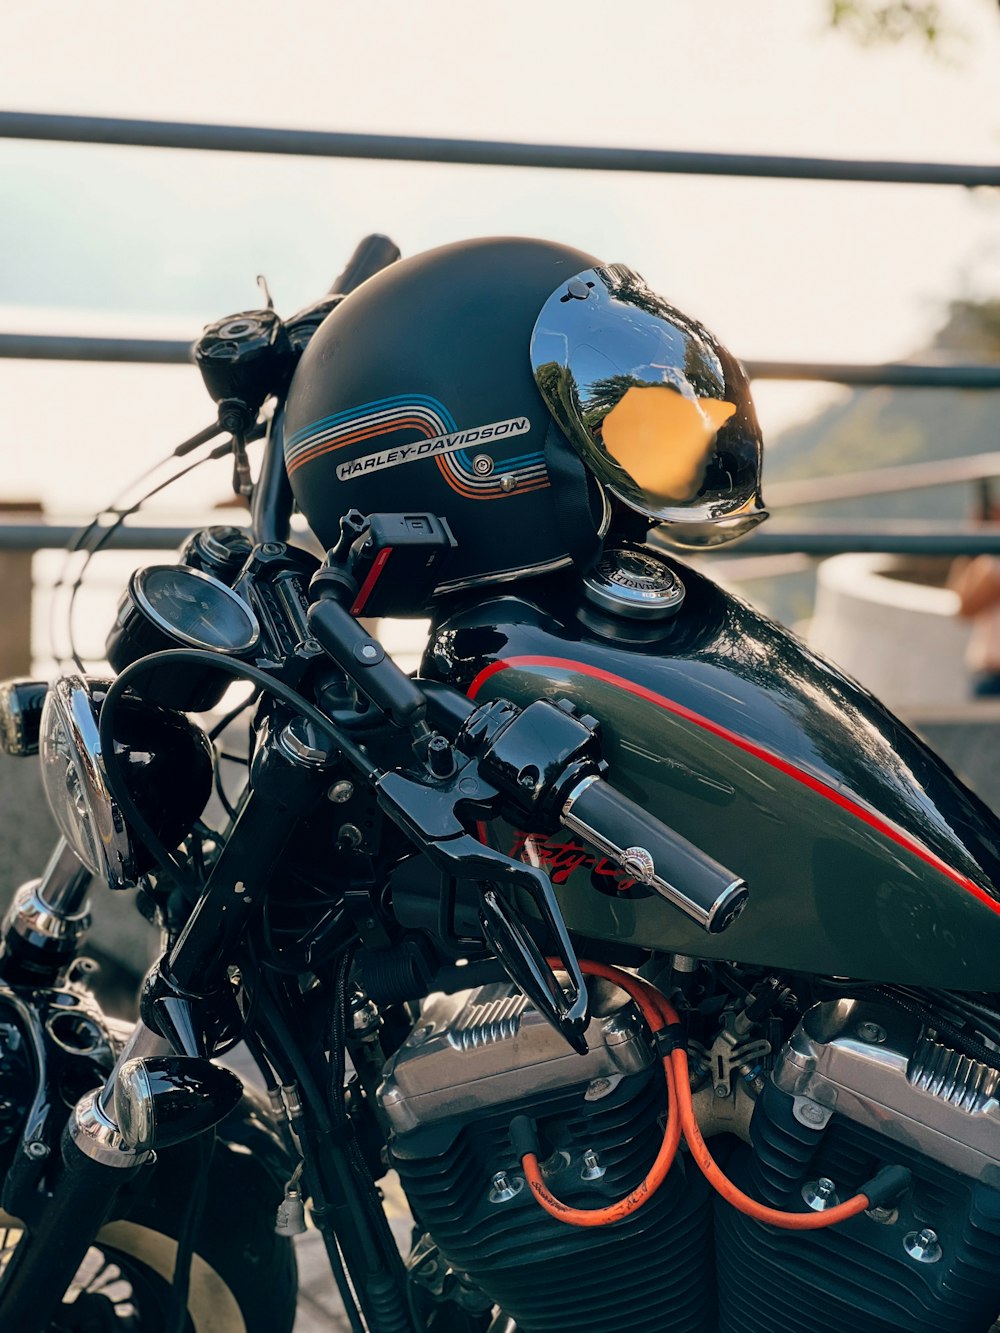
472 494
328 446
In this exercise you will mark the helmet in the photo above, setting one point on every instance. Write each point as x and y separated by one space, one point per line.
505 385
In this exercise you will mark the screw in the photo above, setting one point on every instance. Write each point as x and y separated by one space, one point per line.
482 465
596 1088
37 1150
507 483
722 1089
341 792
369 652
872 1032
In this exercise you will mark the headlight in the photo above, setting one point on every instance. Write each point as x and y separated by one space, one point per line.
166 762
73 774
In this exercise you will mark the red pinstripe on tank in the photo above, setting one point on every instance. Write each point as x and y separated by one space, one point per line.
847 803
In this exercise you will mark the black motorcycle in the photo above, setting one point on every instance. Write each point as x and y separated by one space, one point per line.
623 869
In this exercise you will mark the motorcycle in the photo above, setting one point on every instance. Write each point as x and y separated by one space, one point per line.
623 872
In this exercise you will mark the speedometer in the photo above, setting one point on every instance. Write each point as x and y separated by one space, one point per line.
173 606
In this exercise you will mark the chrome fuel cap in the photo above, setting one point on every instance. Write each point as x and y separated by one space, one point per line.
634 582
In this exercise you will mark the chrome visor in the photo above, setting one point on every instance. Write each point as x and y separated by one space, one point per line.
655 406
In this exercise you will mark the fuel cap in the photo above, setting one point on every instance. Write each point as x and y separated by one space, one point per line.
634 582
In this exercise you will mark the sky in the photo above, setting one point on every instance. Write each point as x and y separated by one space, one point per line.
99 239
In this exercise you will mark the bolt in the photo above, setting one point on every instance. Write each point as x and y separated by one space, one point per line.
369 652
592 1169
872 1032
813 1113
597 1087
505 1188
37 1150
312 645
482 465
722 1089
578 289
350 835
923 1246
507 483
271 548
820 1194
341 792
883 1215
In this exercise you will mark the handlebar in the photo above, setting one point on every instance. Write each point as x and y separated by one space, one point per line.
655 854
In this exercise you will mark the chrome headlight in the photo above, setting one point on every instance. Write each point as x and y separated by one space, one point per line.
166 765
75 784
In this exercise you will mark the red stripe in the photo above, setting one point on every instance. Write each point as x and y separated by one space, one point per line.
366 588
815 784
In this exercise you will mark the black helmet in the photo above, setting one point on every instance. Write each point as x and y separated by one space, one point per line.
503 384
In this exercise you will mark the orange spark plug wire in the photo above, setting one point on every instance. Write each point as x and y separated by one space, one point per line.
659 1013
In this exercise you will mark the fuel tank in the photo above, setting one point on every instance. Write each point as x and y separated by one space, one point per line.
865 856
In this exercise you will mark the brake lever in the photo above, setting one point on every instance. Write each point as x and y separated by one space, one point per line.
429 815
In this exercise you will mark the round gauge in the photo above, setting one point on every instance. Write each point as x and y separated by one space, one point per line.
173 606
195 609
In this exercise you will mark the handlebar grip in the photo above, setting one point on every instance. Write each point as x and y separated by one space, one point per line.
654 854
371 255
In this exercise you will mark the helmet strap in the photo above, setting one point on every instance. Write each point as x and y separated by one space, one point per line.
578 499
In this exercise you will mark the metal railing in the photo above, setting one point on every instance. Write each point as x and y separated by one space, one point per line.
780 536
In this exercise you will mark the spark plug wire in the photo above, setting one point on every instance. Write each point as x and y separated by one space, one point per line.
664 1022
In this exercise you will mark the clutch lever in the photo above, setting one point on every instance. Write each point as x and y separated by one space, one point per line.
429 816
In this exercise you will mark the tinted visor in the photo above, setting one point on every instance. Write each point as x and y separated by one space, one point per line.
655 406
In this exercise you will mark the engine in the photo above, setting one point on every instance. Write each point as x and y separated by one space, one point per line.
856 1086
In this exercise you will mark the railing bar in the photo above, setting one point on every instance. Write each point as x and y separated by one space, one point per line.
480 152
779 536
165 351
883 481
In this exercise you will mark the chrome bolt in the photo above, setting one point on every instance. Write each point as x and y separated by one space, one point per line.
886 1216
872 1032
923 1246
505 1187
37 1150
814 1113
482 465
820 1194
592 1169
507 483
597 1088
340 792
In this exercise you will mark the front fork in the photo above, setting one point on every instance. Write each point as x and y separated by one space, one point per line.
39 940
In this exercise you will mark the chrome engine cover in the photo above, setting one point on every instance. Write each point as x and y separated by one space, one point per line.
481 1048
876 1066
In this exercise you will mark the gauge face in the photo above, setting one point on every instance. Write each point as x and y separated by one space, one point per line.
195 609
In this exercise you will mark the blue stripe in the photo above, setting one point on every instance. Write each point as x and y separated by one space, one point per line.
381 404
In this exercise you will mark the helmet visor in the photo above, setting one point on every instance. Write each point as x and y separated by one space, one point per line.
655 406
